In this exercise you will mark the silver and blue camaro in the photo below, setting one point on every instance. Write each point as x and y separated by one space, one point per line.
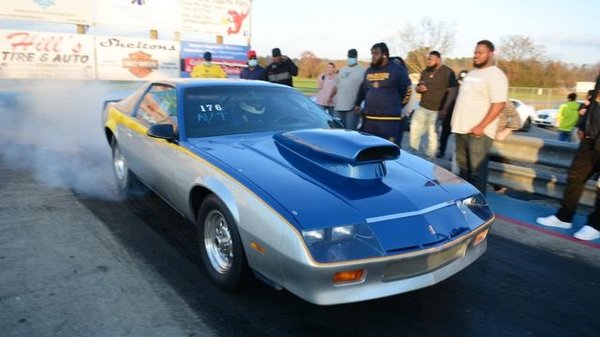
279 190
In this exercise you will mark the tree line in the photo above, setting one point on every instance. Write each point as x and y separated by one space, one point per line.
524 62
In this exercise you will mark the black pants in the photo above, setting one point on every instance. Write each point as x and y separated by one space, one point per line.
584 165
472 158
445 132
386 129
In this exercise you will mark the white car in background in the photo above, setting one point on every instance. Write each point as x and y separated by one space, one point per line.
526 113
547 117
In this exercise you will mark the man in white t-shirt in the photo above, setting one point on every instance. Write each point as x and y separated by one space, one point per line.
481 98
348 83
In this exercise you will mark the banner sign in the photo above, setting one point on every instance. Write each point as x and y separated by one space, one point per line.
25 54
63 11
136 59
227 18
145 14
232 58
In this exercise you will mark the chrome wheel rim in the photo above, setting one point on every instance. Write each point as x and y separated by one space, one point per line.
120 164
218 242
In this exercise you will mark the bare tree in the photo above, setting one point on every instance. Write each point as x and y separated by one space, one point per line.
520 48
416 41
309 65
523 61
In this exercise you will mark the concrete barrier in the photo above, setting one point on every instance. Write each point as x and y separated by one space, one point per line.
535 165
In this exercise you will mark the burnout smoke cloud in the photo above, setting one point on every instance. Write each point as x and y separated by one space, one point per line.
52 128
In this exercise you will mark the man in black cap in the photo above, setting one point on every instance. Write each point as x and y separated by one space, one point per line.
281 69
349 80
207 69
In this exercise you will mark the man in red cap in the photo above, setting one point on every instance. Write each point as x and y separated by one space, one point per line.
254 71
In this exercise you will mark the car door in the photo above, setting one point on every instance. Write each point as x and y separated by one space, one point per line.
156 156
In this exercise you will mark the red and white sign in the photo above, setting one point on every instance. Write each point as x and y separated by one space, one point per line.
227 18
136 59
25 54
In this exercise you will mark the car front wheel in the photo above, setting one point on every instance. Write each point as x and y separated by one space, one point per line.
526 125
221 245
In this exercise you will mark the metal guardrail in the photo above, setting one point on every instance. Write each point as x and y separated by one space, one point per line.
535 165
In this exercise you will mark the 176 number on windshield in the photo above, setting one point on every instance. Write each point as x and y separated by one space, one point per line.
210 107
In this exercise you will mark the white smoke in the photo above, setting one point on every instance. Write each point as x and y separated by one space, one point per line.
53 129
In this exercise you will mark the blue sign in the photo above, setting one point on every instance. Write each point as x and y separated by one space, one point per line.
231 57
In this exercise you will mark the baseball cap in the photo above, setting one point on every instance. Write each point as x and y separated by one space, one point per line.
276 52
352 53
207 56
251 54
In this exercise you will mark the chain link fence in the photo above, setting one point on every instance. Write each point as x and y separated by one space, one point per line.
540 98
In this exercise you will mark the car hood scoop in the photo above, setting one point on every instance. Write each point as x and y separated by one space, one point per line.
344 153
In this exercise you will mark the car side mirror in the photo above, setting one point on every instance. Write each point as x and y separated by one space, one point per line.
162 131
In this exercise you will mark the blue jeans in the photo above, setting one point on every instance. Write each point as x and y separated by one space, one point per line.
424 121
564 136
349 118
472 157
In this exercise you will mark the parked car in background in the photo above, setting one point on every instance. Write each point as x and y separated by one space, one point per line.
526 113
546 117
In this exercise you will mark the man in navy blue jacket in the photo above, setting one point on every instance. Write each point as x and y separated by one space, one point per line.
385 90
254 71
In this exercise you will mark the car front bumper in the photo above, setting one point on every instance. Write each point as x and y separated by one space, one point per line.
383 276
543 122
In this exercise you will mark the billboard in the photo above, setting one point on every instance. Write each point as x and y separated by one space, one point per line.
227 18
232 58
25 54
63 11
136 59
146 14
207 18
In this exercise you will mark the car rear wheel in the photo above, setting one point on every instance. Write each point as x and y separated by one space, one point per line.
127 182
221 245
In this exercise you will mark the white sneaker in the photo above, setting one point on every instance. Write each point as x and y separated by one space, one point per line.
587 233
553 221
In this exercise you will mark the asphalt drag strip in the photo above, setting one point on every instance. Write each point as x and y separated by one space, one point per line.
89 264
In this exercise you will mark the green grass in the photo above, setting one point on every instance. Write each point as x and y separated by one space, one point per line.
308 86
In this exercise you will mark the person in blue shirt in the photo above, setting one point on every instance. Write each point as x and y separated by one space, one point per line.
385 90
254 71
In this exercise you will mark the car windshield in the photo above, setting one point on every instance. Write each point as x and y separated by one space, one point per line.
227 110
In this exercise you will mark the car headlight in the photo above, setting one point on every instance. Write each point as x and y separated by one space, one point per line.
474 201
475 205
342 243
333 234
342 232
313 236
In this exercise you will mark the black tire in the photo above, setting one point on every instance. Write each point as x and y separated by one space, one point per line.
221 246
526 125
127 182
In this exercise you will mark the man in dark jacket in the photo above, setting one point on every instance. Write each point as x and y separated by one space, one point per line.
585 164
385 90
281 69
